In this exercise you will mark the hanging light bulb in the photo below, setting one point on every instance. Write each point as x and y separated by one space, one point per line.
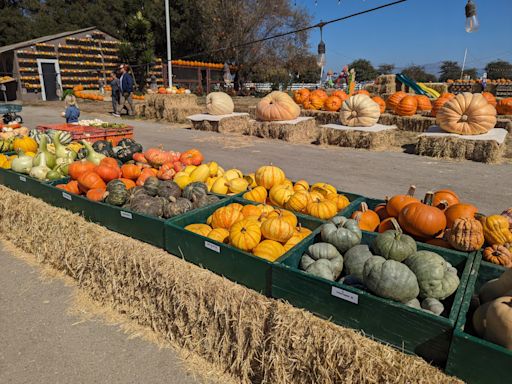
472 23
320 59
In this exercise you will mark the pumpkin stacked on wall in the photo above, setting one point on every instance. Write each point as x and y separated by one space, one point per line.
504 106
259 229
467 114
219 103
319 99
359 111
277 106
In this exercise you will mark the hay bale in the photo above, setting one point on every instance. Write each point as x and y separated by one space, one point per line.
416 123
174 108
384 84
140 109
252 111
504 122
235 123
238 331
322 117
487 148
301 130
376 137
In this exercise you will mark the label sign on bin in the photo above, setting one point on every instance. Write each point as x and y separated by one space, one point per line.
126 215
23 178
67 196
345 295
213 247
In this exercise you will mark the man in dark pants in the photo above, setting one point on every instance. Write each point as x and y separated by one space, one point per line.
126 85
116 94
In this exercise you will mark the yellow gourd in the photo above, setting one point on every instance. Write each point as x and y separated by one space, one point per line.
201 173
496 229
258 195
269 250
220 186
245 234
219 234
200 229
237 185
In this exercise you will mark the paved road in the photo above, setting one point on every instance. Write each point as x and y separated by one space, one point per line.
41 343
374 174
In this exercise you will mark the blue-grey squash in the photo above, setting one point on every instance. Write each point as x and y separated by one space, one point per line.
354 260
322 251
322 268
436 277
390 279
341 232
432 305
394 244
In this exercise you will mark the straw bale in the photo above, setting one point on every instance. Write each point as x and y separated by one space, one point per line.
504 122
174 108
140 109
252 111
302 132
416 123
322 117
240 332
231 125
485 151
357 139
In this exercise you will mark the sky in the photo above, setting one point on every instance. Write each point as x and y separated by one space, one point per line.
415 32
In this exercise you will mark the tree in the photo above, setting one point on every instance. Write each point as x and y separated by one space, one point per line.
450 70
418 73
137 48
364 70
386 69
471 72
499 69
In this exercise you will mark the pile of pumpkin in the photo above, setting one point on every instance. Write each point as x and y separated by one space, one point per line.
441 219
173 91
88 96
260 229
493 318
395 269
269 185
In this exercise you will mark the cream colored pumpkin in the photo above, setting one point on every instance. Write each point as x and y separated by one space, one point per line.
277 106
219 103
359 111
467 114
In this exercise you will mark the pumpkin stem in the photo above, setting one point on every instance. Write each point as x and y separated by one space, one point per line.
443 204
386 200
396 226
411 191
358 217
429 198
364 207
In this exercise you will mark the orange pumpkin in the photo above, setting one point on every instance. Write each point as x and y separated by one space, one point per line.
146 172
382 104
110 162
386 225
301 95
332 104
407 106
128 183
108 173
362 92
166 172
394 99
72 187
96 194
316 101
340 94
490 98
398 202
438 104
504 106
367 219
447 196
90 180
79 167
459 211
191 157
422 219
130 171
424 103
320 93
381 210
308 105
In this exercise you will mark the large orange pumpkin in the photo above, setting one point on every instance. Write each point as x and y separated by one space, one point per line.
341 94
504 106
301 95
424 103
108 173
317 101
277 106
320 93
398 202
394 99
332 104
459 211
407 106
90 180
382 104
79 167
422 219
308 105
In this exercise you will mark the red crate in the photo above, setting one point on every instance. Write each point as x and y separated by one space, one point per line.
78 132
116 135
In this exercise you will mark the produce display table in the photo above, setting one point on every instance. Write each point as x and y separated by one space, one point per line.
173 108
376 137
487 148
92 134
300 130
233 123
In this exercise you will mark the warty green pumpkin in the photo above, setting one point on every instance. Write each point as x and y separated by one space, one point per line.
394 244
355 258
341 232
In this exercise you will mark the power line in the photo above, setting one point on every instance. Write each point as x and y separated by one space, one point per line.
318 25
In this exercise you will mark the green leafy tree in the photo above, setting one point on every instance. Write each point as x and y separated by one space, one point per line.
137 48
364 70
386 69
471 72
418 73
499 69
450 70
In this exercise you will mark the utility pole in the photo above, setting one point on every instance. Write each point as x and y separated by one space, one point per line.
168 31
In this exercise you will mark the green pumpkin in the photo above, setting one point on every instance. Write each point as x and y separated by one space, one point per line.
354 260
394 244
341 232
305 261
176 207
117 193
151 185
322 251
54 175
322 268
432 305
436 277
195 190
390 279
168 188
147 205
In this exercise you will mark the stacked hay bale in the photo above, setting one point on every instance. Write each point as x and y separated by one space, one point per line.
174 108
384 85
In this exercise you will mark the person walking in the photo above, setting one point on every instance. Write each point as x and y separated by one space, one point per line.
115 85
126 88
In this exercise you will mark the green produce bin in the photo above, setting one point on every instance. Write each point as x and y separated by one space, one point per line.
408 329
372 203
24 184
223 259
472 358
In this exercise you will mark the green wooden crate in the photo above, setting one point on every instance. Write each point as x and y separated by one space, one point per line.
223 259
24 183
372 203
472 358
411 330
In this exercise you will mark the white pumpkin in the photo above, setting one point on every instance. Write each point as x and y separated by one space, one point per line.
219 103
359 111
